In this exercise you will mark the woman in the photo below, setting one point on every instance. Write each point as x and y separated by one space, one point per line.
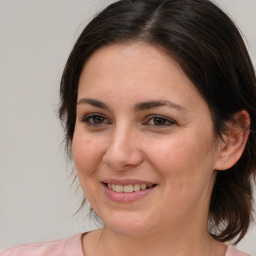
158 104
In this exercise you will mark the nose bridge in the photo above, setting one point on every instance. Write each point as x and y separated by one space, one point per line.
122 135
123 149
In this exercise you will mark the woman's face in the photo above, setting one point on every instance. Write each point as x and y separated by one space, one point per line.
144 145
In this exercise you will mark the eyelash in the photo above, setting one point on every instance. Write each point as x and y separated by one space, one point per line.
89 120
161 118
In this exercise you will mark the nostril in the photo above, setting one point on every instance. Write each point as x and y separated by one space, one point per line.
122 160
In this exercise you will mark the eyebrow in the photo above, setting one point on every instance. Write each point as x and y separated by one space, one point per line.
93 102
146 105
157 103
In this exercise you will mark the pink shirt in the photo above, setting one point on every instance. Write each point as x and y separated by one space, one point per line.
70 247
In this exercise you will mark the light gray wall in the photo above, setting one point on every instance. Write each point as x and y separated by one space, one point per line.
36 36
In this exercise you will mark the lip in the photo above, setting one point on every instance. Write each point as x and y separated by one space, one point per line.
120 197
125 182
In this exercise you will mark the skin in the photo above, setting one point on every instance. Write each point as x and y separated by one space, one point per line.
177 151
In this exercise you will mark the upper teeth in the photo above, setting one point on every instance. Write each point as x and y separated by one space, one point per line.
128 188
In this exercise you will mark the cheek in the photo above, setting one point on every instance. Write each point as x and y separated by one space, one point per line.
86 154
86 158
184 160
186 168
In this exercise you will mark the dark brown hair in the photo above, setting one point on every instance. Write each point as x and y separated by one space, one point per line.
211 52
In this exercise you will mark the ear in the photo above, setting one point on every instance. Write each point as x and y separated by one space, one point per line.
232 145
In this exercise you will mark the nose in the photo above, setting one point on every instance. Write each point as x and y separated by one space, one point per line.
123 151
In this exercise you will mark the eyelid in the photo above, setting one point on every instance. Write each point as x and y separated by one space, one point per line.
86 118
166 120
171 121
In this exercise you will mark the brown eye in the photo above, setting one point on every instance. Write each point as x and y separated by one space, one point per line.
95 120
159 121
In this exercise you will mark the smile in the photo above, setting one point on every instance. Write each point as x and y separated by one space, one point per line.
127 191
128 188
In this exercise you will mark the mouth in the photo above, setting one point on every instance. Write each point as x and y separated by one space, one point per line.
130 188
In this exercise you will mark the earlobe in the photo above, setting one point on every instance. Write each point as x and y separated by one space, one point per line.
235 139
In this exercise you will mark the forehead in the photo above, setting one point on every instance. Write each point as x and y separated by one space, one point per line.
138 71
146 61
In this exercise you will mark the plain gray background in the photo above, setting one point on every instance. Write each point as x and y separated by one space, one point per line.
36 36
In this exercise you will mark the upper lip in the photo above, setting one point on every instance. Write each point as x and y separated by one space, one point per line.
125 182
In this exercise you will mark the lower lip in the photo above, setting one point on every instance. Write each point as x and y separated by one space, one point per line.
126 197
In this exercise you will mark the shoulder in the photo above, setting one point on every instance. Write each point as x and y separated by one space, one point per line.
232 251
62 247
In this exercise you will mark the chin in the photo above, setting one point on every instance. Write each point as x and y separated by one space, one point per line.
128 225
128 230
